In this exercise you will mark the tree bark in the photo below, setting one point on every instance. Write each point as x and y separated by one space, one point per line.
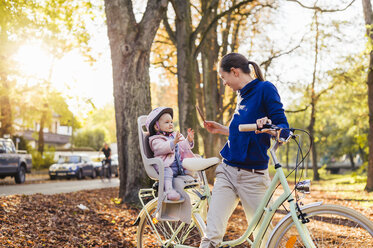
6 119
186 67
312 123
41 131
209 55
368 16
130 45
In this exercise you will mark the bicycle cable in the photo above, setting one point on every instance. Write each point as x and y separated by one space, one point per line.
299 150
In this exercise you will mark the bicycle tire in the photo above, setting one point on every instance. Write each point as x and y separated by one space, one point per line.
329 226
146 236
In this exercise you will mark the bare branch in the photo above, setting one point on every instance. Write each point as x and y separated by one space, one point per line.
202 23
268 62
210 25
320 9
169 30
195 7
168 68
297 111
163 42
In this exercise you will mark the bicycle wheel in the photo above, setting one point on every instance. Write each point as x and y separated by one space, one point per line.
329 226
190 234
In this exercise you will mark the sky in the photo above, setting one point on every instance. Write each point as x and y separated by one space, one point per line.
81 80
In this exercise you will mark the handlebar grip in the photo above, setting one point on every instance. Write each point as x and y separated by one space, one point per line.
253 127
247 127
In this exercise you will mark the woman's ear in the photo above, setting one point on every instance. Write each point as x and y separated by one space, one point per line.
235 71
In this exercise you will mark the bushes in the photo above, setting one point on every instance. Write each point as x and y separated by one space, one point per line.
42 161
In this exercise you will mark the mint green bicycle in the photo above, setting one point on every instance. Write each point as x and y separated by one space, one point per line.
313 225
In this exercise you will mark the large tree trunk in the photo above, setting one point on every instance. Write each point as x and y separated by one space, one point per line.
368 15
209 54
130 45
186 66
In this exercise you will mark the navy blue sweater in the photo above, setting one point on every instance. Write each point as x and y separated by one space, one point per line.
246 149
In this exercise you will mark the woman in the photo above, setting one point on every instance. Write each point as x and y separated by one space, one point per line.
243 175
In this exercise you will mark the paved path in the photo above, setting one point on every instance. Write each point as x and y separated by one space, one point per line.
57 187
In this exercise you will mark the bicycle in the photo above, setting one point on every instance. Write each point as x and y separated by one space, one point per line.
312 225
105 169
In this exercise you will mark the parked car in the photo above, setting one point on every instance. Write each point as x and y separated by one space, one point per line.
97 162
13 163
70 166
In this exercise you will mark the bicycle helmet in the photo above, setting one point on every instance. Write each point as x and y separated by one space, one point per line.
154 116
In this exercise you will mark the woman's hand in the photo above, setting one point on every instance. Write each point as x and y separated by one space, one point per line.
260 122
190 135
214 127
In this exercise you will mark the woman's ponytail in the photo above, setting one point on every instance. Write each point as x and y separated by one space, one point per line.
257 70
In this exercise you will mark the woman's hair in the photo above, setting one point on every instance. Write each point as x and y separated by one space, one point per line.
237 60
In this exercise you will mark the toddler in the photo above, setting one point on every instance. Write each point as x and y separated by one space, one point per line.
170 146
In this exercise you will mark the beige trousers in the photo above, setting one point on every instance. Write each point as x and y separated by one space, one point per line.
232 185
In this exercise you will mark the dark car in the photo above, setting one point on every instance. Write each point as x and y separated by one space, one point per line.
13 163
97 162
69 166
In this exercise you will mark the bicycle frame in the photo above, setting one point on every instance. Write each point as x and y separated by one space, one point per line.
269 211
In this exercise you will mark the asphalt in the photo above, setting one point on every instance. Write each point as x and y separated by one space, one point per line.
57 187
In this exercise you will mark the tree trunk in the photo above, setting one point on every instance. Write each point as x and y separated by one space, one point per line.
186 66
352 162
368 16
311 130
311 125
41 132
210 53
130 45
5 108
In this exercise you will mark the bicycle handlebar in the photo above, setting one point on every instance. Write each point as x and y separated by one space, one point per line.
253 127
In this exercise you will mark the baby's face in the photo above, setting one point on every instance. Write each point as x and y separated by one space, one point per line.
165 123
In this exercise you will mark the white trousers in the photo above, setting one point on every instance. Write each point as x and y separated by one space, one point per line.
232 185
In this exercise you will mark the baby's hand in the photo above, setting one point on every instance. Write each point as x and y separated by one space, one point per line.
177 138
190 135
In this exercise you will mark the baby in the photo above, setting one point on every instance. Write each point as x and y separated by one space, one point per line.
170 146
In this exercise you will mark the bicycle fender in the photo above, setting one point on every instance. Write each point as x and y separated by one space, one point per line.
142 212
315 204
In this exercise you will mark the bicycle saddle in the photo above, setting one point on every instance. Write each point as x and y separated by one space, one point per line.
199 164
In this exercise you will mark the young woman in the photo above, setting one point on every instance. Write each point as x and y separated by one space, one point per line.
243 174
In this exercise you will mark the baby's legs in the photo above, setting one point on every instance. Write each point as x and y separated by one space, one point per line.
172 194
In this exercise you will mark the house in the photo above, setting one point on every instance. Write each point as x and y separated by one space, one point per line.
55 135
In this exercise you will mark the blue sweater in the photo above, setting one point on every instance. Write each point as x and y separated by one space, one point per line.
246 149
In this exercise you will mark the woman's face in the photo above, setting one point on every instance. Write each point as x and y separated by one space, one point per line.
231 79
165 123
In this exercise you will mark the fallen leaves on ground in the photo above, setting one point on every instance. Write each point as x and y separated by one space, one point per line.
103 221
57 221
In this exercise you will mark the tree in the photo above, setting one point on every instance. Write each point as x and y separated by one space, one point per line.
368 16
93 138
130 45
58 23
315 88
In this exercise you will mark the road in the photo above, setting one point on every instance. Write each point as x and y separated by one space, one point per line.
57 187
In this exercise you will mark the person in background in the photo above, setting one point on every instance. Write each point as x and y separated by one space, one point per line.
107 152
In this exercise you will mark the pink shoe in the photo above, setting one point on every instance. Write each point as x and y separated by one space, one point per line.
173 195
